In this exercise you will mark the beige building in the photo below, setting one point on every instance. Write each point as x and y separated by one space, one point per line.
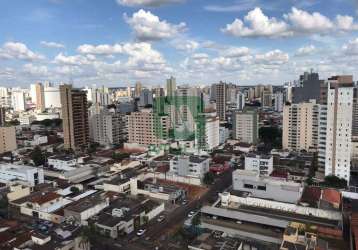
300 126
245 126
144 128
75 118
7 139
40 97
220 91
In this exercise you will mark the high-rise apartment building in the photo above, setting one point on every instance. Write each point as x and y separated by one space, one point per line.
40 97
138 89
108 128
245 126
266 98
147 128
300 126
211 137
2 116
146 97
52 97
279 102
75 118
18 100
355 113
240 101
335 130
309 88
220 98
7 139
171 86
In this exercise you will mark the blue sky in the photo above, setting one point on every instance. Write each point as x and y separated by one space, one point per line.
118 42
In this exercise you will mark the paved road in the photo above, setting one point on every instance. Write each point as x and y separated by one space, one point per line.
157 230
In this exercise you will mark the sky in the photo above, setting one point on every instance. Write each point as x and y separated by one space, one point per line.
119 42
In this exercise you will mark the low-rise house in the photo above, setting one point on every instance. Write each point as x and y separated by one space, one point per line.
266 187
85 208
190 166
261 163
26 175
127 214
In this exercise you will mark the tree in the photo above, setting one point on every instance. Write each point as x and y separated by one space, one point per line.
38 157
334 181
74 189
196 220
88 236
271 137
208 178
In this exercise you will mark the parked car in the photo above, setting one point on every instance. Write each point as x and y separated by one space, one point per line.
191 214
141 232
161 218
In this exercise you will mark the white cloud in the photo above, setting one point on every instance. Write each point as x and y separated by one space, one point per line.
15 50
296 22
306 50
346 23
52 45
304 22
148 27
274 57
72 60
148 3
258 25
236 52
185 45
35 70
351 48
103 49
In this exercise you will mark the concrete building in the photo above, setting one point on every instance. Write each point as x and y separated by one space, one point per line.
355 112
18 100
335 144
26 119
2 116
27 175
146 128
75 118
171 86
240 101
108 128
266 98
300 126
220 98
7 139
309 88
212 136
138 89
190 166
39 97
266 187
62 162
263 164
245 126
279 102
52 97
145 97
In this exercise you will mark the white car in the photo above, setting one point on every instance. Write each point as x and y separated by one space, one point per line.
161 218
191 214
141 232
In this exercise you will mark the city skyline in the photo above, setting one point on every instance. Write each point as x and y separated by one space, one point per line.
203 42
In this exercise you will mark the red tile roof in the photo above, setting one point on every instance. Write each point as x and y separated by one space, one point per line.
311 195
43 198
331 195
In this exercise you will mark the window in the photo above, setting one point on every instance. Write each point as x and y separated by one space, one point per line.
249 186
261 188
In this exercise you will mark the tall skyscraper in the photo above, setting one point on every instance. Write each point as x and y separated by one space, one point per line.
278 98
138 89
40 97
309 88
355 113
7 139
240 100
300 126
220 92
336 127
2 116
146 98
18 100
245 126
75 118
108 128
171 86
